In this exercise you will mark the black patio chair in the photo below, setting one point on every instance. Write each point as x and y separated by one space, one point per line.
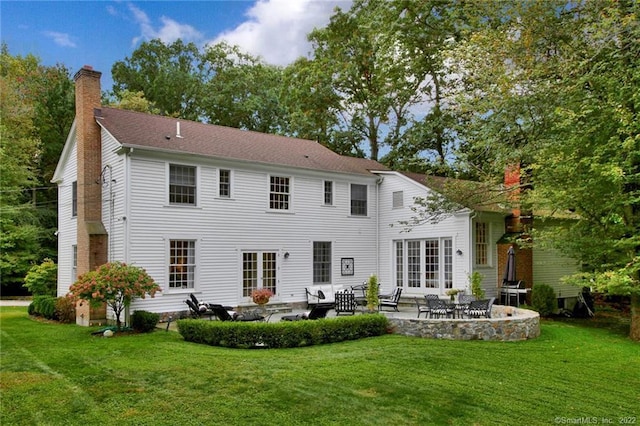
480 308
422 308
345 303
439 308
199 311
392 301
317 312
224 315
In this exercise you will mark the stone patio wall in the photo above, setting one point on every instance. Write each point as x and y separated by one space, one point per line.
507 324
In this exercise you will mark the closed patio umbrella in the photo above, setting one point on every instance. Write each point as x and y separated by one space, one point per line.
509 276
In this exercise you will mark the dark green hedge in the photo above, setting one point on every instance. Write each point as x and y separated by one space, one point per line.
284 334
144 322
44 306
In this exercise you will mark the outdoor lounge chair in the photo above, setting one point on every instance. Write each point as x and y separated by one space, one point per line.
199 311
317 312
480 308
392 301
224 315
345 303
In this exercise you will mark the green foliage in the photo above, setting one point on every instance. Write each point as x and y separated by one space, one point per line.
170 76
373 289
144 321
36 112
44 306
475 282
284 334
544 300
622 282
115 284
65 310
42 280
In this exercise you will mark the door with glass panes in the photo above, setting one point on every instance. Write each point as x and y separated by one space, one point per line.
259 270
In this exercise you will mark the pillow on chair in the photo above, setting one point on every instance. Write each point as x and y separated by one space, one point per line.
321 294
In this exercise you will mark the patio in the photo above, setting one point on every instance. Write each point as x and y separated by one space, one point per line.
507 323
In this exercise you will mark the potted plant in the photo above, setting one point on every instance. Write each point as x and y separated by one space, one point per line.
373 288
475 280
261 296
452 293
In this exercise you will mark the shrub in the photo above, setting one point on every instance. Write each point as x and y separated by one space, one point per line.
284 334
65 310
476 285
144 321
373 288
44 306
543 300
41 280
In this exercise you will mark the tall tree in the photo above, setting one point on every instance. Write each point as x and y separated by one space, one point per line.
36 115
424 32
558 90
242 91
171 76
369 75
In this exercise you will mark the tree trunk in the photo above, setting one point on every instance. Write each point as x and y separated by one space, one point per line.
634 332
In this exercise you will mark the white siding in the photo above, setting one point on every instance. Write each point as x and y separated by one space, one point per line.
224 228
490 272
455 227
549 266
113 196
67 225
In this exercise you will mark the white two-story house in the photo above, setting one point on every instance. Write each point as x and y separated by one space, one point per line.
218 212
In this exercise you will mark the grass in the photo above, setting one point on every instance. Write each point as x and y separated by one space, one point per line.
54 374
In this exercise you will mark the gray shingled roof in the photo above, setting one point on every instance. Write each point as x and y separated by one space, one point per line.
140 130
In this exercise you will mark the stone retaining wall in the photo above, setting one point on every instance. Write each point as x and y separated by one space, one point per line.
507 324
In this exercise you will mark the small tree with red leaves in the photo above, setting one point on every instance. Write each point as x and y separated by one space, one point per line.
115 284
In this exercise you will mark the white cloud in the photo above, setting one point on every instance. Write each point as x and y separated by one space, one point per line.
277 29
168 31
61 39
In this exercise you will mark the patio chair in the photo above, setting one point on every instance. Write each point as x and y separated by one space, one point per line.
439 308
224 315
392 301
199 311
463 303
422 308
480 308
345 303
314 299
317 312
360 293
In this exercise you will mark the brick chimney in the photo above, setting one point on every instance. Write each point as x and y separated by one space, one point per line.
512 184
517 224
92 236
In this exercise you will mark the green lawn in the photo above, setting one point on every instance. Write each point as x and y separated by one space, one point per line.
60 375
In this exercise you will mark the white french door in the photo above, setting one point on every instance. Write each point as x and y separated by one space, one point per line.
259 270
424 264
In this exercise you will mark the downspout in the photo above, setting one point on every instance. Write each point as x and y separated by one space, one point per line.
378 182
127 204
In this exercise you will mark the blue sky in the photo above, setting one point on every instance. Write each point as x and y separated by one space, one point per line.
99 33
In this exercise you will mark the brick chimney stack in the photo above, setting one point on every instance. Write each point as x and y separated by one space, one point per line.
512 184
92 236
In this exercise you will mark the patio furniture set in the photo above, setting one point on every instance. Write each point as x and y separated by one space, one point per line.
347 302
466 306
